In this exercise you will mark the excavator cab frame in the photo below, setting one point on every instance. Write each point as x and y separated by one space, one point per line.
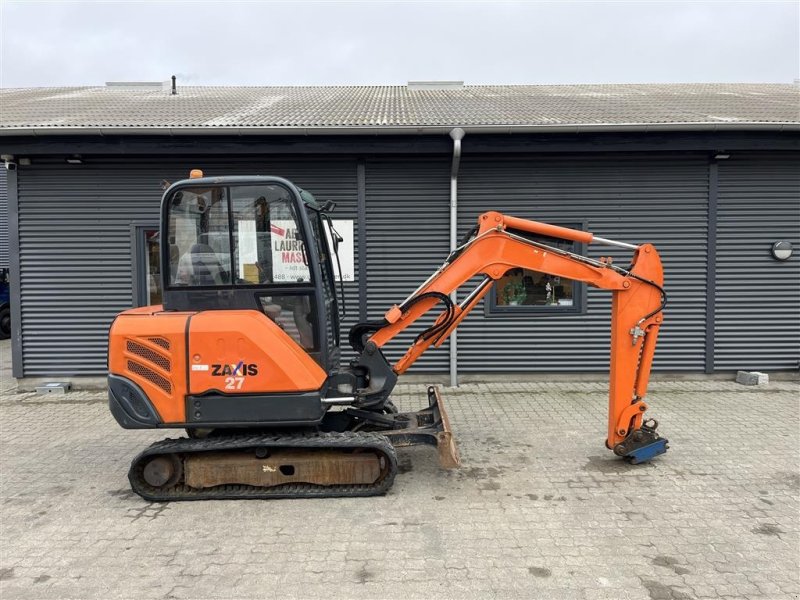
246 290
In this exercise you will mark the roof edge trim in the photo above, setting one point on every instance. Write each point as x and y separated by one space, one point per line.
402 129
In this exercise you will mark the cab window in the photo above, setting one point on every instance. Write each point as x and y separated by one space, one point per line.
199 242
267 239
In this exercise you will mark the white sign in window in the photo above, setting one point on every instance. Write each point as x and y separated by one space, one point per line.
344 227
288 260
247 248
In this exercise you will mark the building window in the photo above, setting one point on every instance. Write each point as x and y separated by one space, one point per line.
147 278
525 291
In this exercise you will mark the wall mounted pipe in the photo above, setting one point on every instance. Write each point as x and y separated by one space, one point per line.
457 134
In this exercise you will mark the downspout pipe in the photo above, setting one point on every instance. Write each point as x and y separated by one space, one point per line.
457 135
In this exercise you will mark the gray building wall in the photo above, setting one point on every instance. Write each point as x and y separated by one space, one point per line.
76 255
757 300
3 218
408 237
661 199
75 245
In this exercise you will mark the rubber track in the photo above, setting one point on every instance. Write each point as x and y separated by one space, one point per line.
347 440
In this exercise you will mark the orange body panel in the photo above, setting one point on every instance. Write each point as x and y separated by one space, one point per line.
148 346
253 353
231 351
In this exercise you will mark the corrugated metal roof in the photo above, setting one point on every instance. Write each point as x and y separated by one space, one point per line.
317 109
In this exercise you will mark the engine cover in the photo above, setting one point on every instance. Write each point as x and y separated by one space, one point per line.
178 358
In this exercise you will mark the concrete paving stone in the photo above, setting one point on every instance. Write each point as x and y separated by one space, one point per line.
539 509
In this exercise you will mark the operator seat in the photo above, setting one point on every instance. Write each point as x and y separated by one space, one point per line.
206 267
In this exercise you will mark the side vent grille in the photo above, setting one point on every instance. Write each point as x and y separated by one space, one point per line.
149 355
150 375
159 341
146 362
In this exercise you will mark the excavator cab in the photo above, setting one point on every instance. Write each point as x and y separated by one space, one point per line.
252 243
249 327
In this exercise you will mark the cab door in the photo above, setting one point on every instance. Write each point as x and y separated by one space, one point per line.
319 225
248 243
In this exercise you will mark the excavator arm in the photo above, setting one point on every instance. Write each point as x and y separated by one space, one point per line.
500 243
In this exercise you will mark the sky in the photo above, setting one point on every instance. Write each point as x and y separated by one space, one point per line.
45 44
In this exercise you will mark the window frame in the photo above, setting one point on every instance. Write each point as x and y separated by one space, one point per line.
493 310
139 292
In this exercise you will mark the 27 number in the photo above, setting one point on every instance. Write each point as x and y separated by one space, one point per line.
234 383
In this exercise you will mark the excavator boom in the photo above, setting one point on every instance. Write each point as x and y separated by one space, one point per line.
500 243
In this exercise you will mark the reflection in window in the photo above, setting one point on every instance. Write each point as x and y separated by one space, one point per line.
295 315
522 289
199 250
268 243
153 266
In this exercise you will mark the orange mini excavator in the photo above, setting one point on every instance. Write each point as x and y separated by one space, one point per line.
244 354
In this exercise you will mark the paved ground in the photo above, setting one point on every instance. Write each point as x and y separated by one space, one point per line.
539 510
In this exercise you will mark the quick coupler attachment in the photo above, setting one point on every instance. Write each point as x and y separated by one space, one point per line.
642 444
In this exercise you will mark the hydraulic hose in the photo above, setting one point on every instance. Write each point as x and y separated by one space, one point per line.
655 285
436 328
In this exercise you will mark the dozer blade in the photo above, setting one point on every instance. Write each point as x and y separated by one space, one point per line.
429 426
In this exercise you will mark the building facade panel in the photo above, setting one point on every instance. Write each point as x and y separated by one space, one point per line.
408 229
76 245
4 264
757 301
636 198
77 253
